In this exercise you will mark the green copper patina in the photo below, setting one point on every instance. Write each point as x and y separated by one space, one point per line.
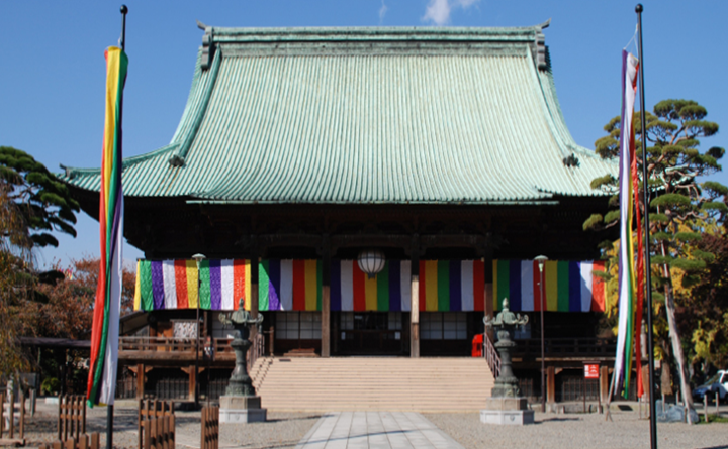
388 115
506 384
240 382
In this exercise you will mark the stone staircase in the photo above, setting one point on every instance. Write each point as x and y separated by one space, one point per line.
427 384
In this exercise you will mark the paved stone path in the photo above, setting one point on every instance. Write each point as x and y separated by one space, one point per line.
376 430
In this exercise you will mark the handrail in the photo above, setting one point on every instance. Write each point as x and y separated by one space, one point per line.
256 350
491 355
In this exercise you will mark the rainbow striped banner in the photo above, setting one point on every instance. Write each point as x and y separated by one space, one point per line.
297 285
569 286
290 285
173 284
105 329
390 290
628 329
293 285
452 286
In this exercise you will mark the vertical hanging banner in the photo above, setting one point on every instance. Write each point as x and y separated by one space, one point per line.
569 286
625 337
105 329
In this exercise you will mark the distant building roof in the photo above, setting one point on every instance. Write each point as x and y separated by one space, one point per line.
366 115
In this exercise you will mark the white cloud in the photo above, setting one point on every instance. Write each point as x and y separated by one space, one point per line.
383 11
438 11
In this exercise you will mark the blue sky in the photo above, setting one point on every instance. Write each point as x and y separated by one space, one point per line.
52 66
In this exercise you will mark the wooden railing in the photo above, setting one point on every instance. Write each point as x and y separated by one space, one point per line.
185 347
256 351
491 355
566 347
71 417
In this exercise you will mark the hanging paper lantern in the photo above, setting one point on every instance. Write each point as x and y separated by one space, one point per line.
371 261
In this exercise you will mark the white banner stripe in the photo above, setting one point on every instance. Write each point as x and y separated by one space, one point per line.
586 284
170 287
286 292
111 353
227 284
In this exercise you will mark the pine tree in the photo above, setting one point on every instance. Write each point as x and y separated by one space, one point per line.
678 202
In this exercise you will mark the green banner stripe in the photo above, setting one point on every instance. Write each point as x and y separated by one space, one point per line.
205 284
263 286
443 285
383 289
504 282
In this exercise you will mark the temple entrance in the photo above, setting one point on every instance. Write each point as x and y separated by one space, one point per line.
371 333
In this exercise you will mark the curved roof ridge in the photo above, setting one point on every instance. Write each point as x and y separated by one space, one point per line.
224 34
125 163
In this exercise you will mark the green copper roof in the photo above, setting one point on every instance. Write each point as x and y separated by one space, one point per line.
366 115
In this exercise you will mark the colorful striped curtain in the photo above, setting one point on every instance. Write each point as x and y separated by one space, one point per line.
452 286
569 286
283 284
297 285
390 290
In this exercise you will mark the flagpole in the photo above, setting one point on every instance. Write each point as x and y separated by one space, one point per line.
648 288
110 407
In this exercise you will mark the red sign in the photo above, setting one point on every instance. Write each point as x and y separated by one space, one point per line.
591 371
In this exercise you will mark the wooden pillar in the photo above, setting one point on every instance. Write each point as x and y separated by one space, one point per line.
326 301
140 381
604 383
415 315
193 383
550 384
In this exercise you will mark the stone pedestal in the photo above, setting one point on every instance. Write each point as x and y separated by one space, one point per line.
241 409
506 411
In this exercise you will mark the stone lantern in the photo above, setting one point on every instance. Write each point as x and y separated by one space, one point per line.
240 403
506 406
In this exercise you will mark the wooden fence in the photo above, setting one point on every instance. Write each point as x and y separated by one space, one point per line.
71 417
82 442
150 409
11 417
210 428
159 433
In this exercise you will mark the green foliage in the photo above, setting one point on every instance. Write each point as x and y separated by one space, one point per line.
593 221
670 200
715 206
50 385
602 182
661 236
658 259
45 203
688 237
612 216
687 264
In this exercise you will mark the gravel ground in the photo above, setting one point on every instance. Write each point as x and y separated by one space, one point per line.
591 431
284 430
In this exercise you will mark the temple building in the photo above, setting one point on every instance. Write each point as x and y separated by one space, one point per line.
370 191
